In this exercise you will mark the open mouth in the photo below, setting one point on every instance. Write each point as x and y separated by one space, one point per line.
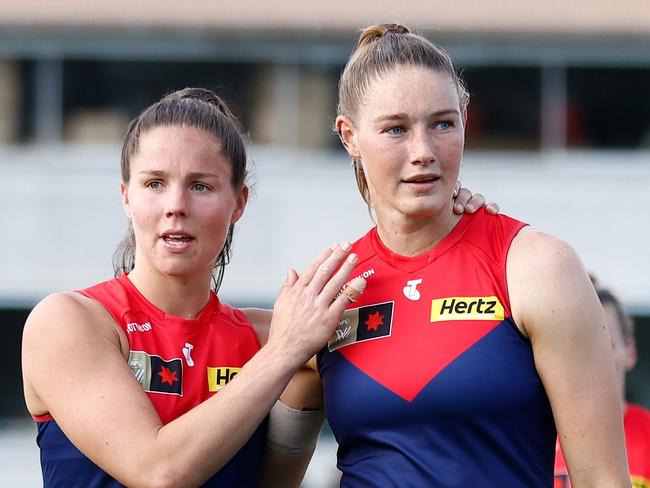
177 241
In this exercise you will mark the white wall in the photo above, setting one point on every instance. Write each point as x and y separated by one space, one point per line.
61 217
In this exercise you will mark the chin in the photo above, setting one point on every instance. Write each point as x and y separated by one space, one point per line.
424 211
180 268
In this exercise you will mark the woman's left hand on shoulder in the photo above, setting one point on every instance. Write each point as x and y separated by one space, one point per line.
466 202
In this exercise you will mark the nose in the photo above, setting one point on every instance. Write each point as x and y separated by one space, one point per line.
176 202
422 146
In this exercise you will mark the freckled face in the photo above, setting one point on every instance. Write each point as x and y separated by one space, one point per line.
180 200
409 135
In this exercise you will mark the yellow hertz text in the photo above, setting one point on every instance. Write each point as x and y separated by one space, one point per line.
220 377
466 308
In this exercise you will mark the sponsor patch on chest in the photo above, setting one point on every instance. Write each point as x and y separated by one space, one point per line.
218 377
466 308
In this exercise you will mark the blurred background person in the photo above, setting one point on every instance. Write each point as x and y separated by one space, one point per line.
637 418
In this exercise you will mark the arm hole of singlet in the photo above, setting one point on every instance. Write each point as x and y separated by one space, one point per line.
116 320
239 319
504 267
42 418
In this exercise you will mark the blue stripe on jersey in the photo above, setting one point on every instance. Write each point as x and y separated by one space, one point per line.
484 421
64 466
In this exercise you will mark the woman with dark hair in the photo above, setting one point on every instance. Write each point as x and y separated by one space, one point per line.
121 377
476 336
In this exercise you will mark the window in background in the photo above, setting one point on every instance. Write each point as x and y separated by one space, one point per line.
608 108
99 97
504 108
11 95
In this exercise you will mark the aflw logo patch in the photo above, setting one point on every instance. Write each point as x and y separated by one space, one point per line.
466 308
220 377
363 324
157 375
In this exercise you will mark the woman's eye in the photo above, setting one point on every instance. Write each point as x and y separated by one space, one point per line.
154 185
396 130
444 125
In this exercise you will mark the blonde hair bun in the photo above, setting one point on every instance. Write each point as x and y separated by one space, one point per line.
375 32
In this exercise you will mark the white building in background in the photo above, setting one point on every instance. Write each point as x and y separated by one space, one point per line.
558 133
62 215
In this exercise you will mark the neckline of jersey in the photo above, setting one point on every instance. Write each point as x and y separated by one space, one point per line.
174 322
411 264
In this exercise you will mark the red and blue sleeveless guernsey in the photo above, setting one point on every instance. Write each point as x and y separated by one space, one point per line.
636 423
427 381
179 363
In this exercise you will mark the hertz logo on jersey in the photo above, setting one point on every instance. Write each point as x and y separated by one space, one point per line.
466 308
220 377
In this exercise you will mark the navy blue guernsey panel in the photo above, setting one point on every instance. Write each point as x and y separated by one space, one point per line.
64 466
428 382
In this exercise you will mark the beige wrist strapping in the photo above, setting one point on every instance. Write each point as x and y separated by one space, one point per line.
293 431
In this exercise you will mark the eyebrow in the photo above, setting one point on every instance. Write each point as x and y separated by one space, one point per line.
191 176
402 116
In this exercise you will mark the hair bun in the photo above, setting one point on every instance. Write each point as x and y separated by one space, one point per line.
203 95
375 32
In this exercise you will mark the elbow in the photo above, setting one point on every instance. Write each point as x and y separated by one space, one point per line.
168 477
161 476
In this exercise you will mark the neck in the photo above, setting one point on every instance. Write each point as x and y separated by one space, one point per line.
411 236
178 296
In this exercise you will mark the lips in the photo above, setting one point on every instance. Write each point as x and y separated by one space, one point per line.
176 240
425 178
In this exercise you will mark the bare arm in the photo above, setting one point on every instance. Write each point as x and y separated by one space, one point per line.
75 369
555 304
304 393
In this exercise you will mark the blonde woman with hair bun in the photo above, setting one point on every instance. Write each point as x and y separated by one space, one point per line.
477 336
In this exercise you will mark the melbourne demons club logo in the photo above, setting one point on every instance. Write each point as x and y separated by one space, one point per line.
363 324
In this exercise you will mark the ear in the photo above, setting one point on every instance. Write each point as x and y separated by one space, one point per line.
242 199
347 134
124 192
630 361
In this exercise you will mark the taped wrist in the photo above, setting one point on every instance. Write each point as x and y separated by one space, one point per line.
293 431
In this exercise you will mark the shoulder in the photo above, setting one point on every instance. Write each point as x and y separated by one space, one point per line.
547 282
70 305
63 326
535 253
260 320
68 314
492 234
